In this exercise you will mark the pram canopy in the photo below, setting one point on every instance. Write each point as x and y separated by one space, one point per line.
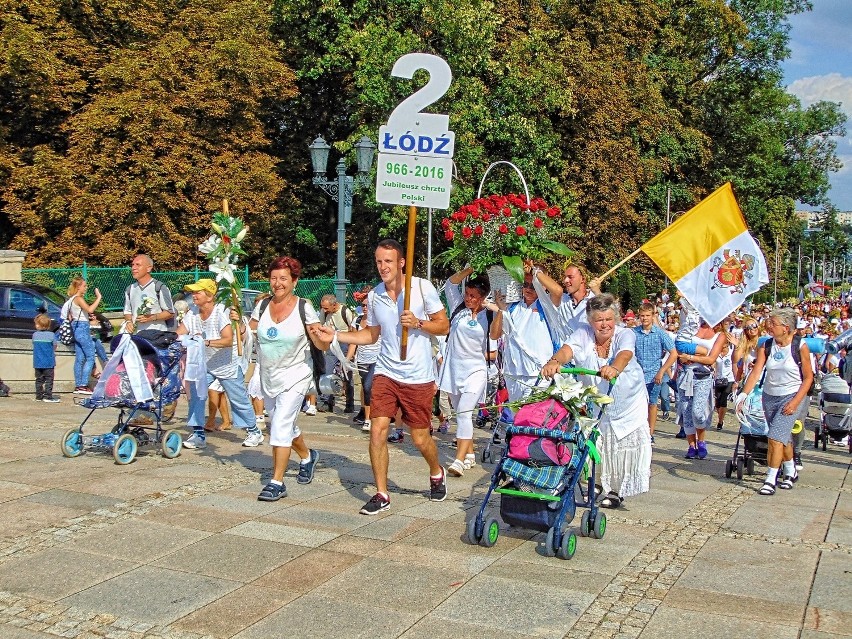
139 375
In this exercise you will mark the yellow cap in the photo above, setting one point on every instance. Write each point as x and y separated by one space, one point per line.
204 284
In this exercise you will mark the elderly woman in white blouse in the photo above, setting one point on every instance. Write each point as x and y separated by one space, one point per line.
625 442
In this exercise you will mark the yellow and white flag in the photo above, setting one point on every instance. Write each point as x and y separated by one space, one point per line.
710 256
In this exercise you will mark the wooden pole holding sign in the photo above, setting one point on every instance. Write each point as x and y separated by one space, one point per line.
409 269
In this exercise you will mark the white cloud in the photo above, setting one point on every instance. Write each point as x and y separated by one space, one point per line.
833 87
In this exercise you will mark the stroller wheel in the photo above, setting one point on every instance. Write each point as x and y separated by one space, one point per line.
472 537
485 456
72 443
729 468
490 533
549 541
124 450
740 467
750 466
599 525
585 530
568 546
172 443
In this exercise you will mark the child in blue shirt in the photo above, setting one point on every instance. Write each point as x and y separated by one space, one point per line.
44 359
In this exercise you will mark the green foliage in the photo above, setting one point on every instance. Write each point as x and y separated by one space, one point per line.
123 126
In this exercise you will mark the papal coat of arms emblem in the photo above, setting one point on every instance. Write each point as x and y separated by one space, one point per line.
732 270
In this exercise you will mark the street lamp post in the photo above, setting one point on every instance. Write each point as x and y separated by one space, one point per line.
342 191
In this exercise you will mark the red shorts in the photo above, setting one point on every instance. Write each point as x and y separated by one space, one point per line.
414 400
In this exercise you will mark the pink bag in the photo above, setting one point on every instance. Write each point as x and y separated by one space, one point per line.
548 413
535 450
539 451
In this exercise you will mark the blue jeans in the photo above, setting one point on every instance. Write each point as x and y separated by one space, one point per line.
84 353
100 351
665 399
241 411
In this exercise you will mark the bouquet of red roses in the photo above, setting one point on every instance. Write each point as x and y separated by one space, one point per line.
502 228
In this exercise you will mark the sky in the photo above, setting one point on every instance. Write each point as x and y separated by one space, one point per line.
820 68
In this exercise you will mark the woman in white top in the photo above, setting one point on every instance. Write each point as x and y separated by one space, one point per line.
286 371
210 323
464 373
785 388
77 310
625 442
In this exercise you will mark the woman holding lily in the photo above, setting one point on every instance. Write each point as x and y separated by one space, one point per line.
625 442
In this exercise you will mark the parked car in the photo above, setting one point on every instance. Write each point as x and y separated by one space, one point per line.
21 302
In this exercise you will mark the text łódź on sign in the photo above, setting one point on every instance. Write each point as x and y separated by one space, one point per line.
415 148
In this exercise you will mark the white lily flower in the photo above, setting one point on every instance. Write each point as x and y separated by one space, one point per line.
223 269
586 424
566 387
209 245
603 400
241 235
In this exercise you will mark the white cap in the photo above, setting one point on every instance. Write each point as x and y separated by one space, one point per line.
670 305
801 323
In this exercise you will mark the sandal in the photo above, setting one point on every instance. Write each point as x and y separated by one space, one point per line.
611 501
788 481
766 489
272 492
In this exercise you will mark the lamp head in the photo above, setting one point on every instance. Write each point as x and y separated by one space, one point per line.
364 152
319 155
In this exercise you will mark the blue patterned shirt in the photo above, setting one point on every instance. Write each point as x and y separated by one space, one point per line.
651 348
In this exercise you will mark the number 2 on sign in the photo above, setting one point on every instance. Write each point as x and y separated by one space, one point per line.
409 110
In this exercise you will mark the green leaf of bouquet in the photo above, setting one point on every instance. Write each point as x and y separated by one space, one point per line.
557 247
515 266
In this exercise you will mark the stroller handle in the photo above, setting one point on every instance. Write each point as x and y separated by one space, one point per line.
567 370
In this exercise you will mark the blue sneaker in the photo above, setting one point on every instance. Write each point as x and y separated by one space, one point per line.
702 450
396 436
306 470
692 453
272 492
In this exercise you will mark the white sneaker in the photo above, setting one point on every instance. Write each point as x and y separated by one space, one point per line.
456 469
305 405
365 427
311 410
469 461
194 441
253 439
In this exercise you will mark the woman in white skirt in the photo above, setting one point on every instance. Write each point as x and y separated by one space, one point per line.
464 373
625 442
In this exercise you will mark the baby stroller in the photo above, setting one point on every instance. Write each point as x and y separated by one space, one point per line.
539 492
835 403
751 436
137 369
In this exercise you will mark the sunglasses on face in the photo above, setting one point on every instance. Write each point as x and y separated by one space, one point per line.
751 327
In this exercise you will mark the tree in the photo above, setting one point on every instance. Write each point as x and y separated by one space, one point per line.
176 121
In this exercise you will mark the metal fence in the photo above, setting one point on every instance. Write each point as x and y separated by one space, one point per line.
112 282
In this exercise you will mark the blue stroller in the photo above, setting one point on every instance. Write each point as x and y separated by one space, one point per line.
543 496
119 386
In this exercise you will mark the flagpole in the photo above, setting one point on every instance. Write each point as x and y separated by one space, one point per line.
619 265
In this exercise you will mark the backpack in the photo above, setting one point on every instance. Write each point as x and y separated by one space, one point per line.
317 356
795 350
171 324
489 316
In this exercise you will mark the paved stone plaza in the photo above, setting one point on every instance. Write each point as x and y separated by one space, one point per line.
182 549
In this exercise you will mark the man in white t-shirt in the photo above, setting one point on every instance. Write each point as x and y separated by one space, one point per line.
406 385
148 295
569 299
